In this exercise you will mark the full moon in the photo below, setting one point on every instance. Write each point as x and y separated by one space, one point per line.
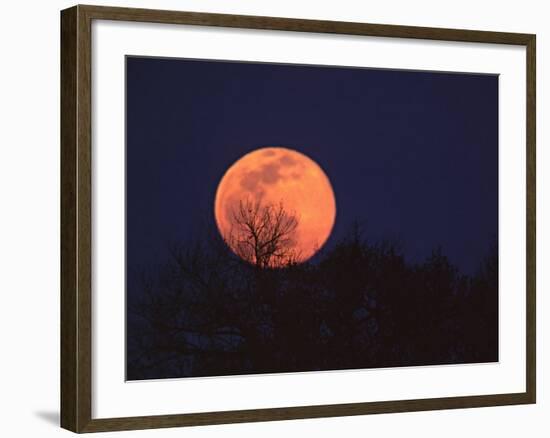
281 195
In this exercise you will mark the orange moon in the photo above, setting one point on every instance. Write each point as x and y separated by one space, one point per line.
285 177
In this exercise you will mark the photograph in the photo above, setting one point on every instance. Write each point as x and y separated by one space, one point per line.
274 219
285 218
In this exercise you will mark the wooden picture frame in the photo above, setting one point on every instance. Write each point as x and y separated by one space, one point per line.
76 218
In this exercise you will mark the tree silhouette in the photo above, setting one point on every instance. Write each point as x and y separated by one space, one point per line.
263 234
209 312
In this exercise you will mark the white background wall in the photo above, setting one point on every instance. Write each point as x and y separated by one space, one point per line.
29 218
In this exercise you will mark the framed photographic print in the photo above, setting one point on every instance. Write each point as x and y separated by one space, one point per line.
268 218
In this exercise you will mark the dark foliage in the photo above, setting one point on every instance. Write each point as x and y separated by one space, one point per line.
360 305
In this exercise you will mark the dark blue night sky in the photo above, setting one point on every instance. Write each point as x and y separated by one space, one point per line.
412 155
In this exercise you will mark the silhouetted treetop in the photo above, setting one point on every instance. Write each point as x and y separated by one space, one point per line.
263 234
209 312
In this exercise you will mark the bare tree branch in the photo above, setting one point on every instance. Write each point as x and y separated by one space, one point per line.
264 234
